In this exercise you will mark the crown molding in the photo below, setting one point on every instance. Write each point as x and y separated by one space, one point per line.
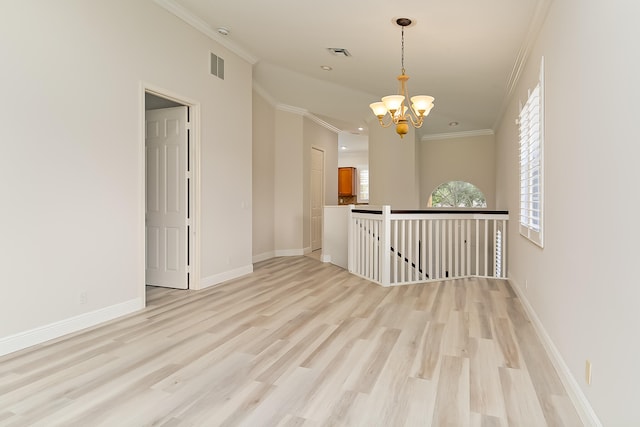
451 135
197 23
298 111
291 109
322 123
533 31
264 94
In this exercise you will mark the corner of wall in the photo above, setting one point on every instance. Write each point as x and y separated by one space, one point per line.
225 276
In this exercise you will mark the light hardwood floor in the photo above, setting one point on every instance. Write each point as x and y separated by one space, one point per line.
297 343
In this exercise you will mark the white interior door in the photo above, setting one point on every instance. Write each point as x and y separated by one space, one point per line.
317 197
166 198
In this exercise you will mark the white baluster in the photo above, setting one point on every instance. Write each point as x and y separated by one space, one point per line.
486 247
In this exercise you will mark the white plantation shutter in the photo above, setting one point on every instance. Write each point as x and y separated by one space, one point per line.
531 177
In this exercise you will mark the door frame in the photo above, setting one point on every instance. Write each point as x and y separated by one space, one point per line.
323 193
194 187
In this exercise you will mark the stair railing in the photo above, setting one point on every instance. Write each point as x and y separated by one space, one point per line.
394 247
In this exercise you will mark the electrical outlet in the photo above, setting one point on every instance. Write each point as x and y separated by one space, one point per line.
83 297
587 372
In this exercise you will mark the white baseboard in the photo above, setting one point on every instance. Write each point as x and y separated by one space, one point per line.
45 333
583 407
325 258
289 252
224 276
263 256
282 252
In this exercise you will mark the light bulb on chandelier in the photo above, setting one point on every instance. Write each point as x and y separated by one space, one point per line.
394 105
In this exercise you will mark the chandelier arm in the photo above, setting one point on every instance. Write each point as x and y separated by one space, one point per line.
381 121
416 119
415 113
416 124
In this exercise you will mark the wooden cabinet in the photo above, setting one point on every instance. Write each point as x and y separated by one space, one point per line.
346 181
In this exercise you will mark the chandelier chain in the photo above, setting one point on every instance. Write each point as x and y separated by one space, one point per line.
402 60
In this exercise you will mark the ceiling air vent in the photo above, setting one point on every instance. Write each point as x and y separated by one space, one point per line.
338 51
217 66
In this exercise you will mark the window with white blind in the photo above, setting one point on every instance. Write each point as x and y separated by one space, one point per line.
531 159
363 185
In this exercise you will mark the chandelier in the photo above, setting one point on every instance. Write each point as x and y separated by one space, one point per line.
394 105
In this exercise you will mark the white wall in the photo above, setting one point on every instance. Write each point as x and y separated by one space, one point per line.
470 159
318 136
281 165
264 121
358 159
393 168
72 165
335 227
583 285
289 187
403 172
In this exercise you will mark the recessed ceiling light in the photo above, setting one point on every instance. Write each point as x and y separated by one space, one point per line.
360 129
453 124
343 148
326 67
224 31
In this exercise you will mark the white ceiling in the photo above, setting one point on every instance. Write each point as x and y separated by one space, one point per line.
465 53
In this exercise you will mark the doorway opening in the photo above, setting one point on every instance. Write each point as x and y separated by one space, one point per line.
170 144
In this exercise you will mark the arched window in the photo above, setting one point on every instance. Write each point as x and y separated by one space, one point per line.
457 194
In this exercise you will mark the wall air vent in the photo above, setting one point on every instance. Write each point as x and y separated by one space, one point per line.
338 51
217 66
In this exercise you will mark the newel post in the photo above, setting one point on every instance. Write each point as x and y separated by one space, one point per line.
385 246
350 242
